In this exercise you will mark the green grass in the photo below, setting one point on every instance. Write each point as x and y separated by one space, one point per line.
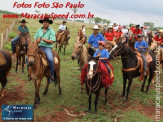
70 84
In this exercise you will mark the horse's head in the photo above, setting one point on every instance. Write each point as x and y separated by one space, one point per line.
118 49
32 52
24 37
92 68
67 32
80 32
78 48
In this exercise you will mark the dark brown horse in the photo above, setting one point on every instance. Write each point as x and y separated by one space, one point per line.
129 61
63 40
132 41
37 69
93 83
21 50
4 69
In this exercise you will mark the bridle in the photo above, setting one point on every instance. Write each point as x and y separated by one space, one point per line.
116 53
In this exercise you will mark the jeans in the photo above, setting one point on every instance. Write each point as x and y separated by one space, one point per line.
14 42
144 61
49 55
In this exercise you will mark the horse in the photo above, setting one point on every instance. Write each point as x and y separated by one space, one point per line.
5 66
94 84
21 50
80 53
38 70
63 40
129 62
81 36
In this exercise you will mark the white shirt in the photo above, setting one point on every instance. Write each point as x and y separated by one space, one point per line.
115 28
83 30
125 31
62 27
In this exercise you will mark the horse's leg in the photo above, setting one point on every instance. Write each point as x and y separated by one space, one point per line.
47 85
142 88
17 61
37 97
151 75
58 81
64 48
3 84
23 62
124 85
128 88
96 100
56 45
89 100
106 96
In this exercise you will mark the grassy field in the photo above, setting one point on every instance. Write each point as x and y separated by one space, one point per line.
140 107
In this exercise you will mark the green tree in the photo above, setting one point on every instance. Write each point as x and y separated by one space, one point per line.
97 20
150 24
104 21
108 22
131 24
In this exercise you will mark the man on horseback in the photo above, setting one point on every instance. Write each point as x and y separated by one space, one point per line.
141 46
95 38
60 33
47 38
22 29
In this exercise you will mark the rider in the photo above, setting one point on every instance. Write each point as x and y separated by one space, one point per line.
95 38
83 30
62 28
137 30
103 56
119 32
22 29
47 38
109 36
141 46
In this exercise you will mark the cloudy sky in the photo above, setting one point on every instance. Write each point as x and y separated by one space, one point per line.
119 11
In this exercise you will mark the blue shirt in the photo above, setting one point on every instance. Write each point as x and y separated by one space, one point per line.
22 29
141 44
93 40
104 53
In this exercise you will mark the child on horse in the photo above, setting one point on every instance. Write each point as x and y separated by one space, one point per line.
141 46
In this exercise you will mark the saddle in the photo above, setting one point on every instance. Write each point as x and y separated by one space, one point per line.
59 36
44 58
140 63
2 59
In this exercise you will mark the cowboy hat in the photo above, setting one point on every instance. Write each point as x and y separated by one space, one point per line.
110 26
64 22
46 19
161 31
96 27
140 35
23 21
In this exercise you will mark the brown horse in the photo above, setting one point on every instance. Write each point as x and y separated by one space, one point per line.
5 66
63 40
80 53
37 69
81 36
21 50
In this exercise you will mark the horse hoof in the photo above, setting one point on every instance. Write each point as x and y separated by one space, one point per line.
106 102
125 101
95 112
44 93
88 111
146 91
142 90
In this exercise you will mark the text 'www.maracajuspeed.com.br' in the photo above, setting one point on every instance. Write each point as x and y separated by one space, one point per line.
51 16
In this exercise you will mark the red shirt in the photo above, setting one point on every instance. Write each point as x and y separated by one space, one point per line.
109 36
156 38
132 29
118 34
137 31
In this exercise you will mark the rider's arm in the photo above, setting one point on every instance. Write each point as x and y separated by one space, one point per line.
19 32
47 41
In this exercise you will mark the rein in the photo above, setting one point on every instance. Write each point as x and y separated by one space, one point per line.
97 85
